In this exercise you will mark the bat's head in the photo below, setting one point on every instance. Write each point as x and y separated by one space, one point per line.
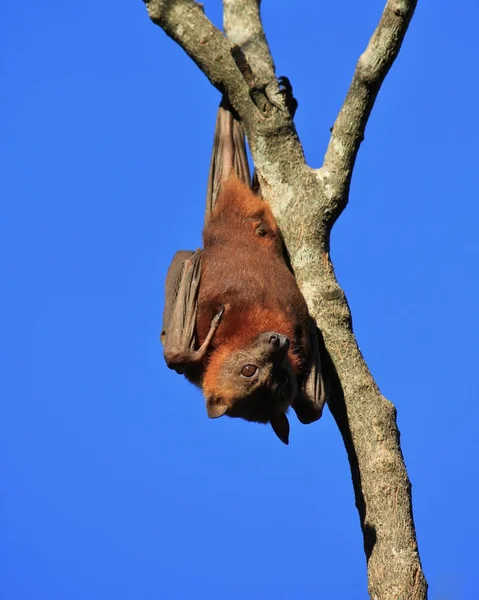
255 383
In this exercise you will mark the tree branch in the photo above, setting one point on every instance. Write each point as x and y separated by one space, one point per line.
185 22
371 70
242 25
276 149
306 203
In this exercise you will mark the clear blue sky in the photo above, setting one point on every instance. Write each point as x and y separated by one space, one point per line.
114 482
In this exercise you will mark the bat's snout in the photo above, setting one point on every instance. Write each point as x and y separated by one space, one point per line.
278 341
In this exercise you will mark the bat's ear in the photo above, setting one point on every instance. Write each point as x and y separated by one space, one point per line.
216 407
280 425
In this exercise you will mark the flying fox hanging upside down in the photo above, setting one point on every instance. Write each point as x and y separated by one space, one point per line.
235 322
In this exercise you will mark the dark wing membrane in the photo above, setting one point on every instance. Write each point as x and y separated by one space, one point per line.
179 316
229 153
310 400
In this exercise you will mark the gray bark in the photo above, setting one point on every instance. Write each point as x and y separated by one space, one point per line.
306 203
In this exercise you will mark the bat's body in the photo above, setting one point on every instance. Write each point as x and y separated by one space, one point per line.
244 270
236 323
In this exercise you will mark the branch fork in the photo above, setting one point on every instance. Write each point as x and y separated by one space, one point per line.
308 200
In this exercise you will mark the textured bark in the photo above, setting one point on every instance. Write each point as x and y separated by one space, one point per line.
306 203
242 25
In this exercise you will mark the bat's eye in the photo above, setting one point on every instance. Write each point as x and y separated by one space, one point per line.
249 371
283 377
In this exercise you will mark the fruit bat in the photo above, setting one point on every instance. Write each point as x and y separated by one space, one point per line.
235 322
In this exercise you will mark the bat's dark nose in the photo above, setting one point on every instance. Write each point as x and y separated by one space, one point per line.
278 341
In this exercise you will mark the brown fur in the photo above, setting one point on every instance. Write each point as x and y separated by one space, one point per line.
235 322
244 270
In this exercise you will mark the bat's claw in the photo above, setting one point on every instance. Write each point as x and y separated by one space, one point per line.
285 84
286 91
217 318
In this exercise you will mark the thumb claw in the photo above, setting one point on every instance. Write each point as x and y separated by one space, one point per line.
217 318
